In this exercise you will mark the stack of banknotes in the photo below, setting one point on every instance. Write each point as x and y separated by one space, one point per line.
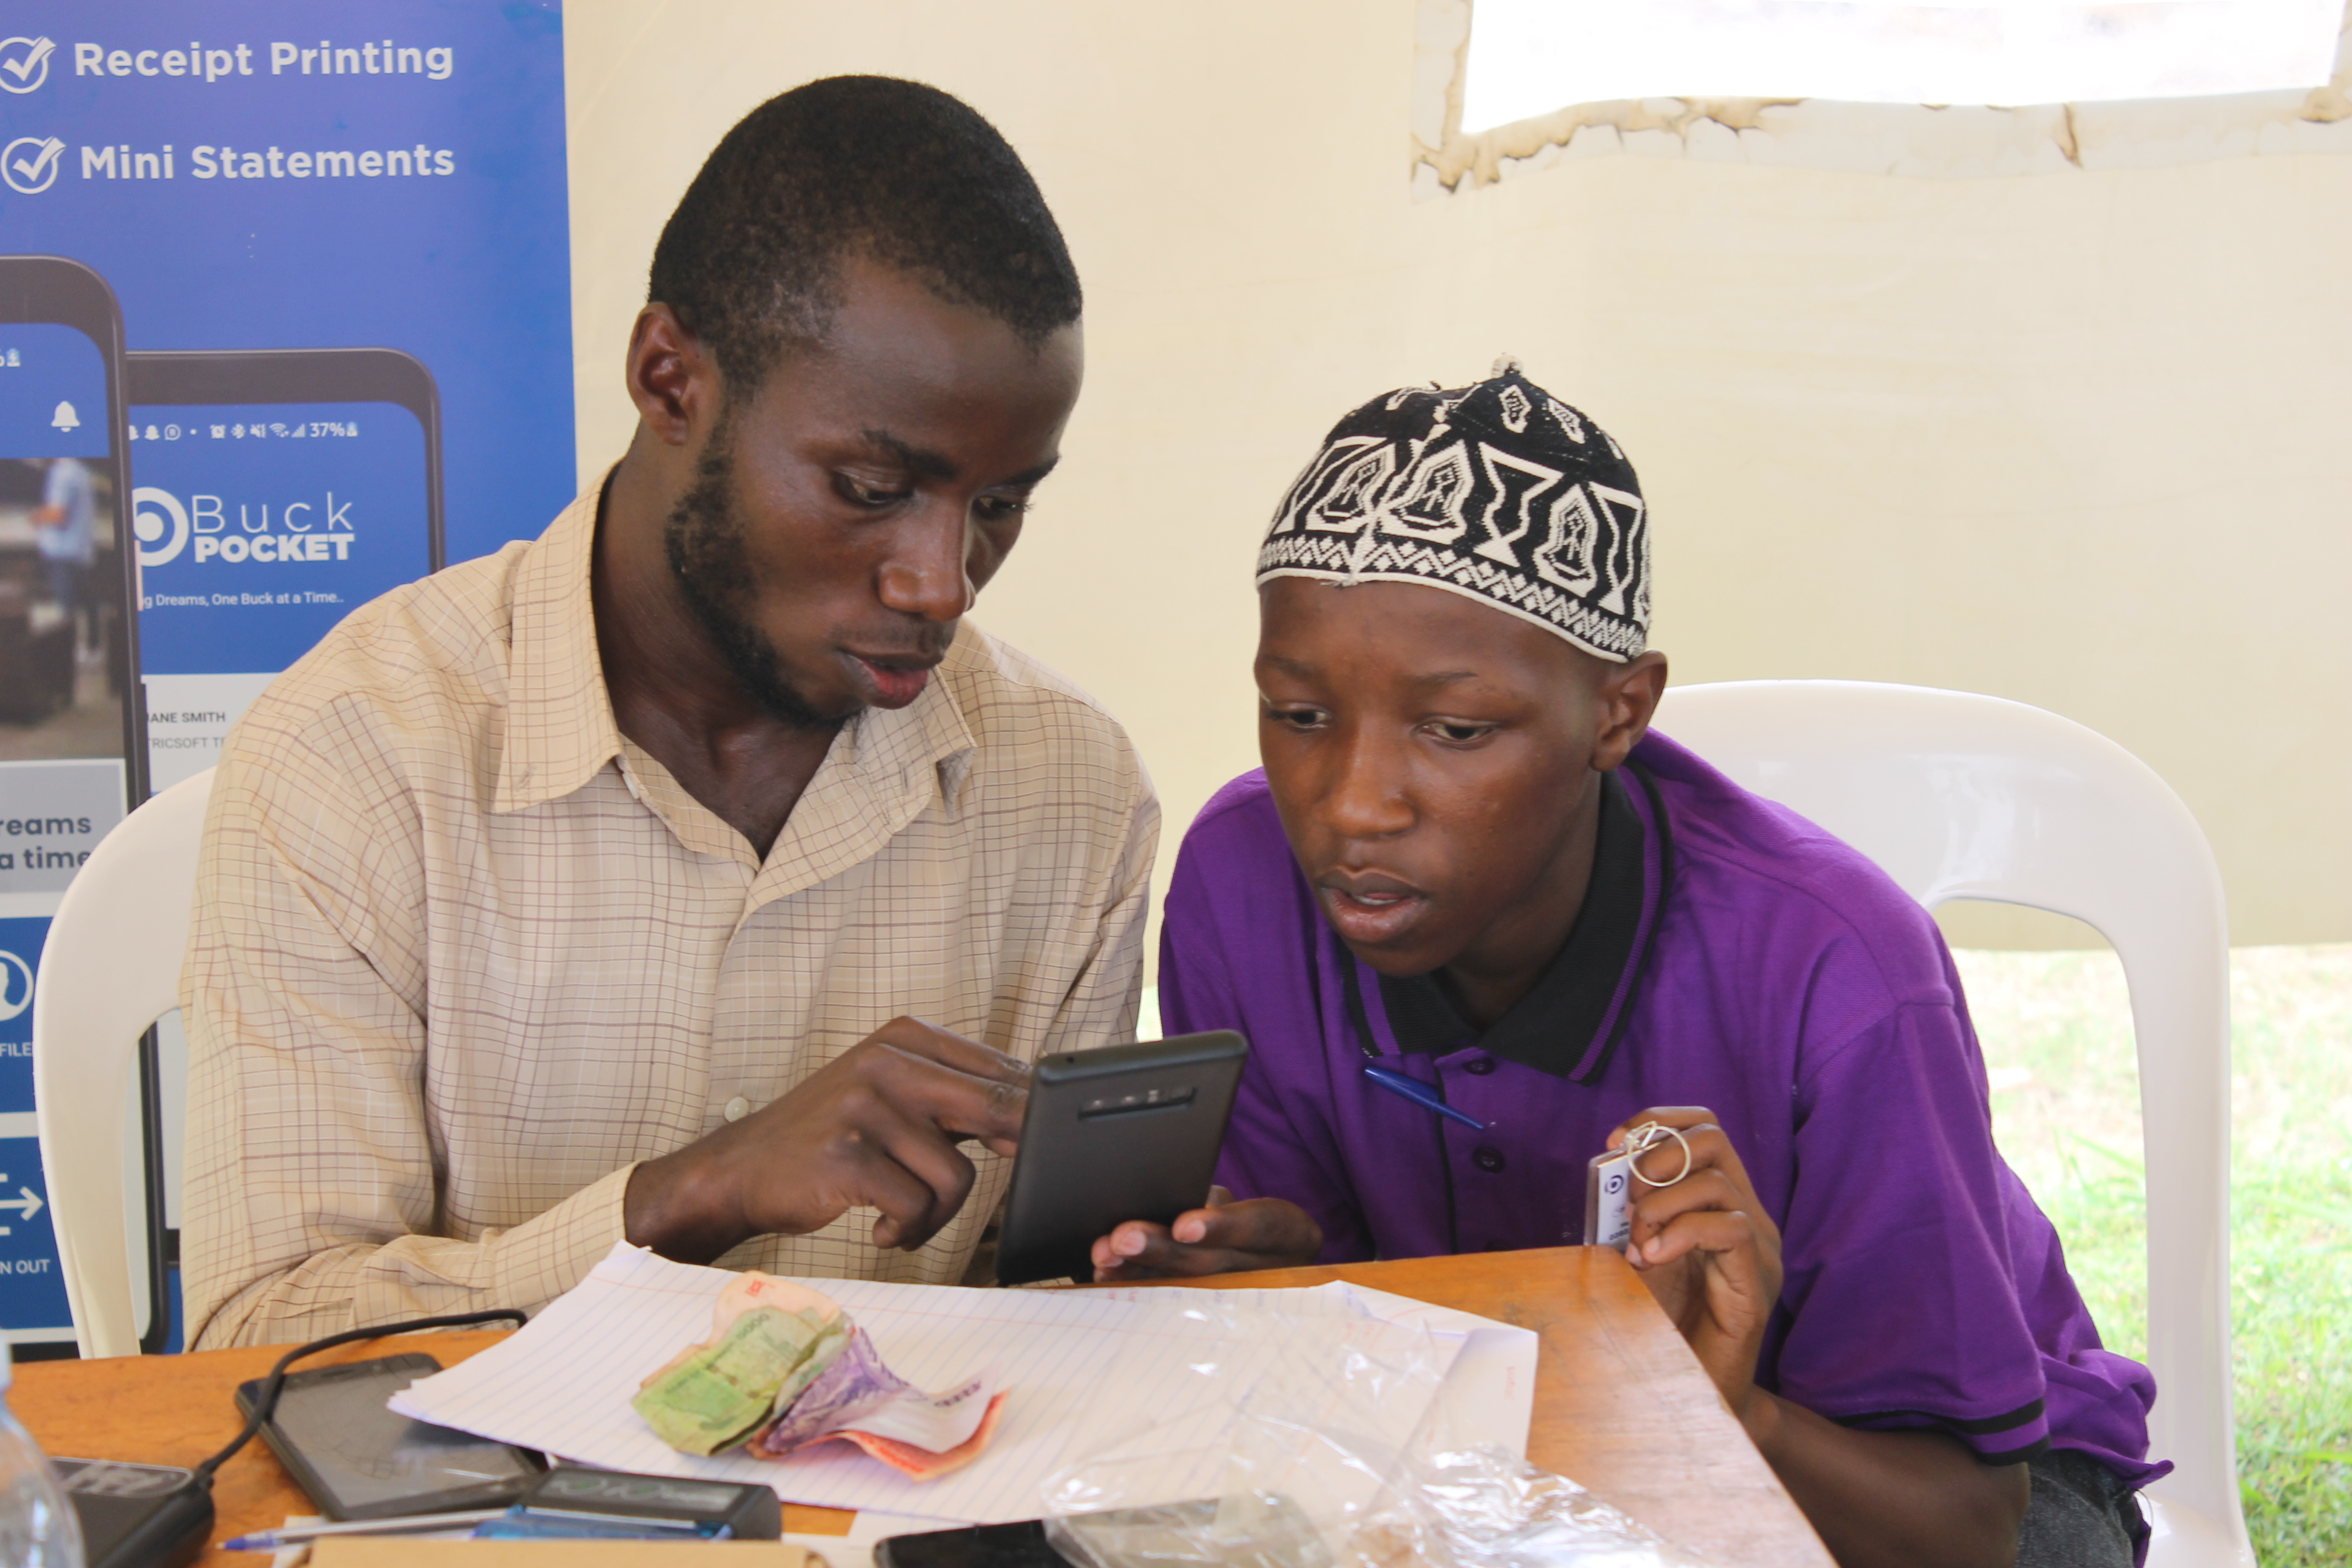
784 1368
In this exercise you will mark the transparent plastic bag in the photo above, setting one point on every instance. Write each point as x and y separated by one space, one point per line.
1281 1434
1483 1508
1310 1437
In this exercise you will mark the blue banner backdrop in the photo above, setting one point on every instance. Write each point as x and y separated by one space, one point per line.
259 182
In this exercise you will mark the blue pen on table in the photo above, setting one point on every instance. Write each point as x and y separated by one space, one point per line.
563 1524
517 1523
1421 1094
295 1535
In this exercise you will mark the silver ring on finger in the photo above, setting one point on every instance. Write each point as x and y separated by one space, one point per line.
1649 1136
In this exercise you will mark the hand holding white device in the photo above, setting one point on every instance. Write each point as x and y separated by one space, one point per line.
1609 1184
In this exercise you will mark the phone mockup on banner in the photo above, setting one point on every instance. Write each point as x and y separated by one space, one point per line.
275 492
70 751
65 647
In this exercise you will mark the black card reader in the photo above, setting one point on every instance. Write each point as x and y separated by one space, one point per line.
137 1515
750 1509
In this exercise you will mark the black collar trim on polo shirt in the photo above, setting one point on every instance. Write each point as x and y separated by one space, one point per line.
1571 1024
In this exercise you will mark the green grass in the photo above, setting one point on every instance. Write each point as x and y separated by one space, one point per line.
2056 1030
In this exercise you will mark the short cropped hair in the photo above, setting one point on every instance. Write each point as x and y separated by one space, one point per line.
896 171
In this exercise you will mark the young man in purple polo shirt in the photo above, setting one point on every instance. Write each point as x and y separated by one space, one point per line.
1467 861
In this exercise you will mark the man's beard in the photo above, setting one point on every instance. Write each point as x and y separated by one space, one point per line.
703 536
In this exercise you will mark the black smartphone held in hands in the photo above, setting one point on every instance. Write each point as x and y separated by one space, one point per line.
1110 1135
358 1459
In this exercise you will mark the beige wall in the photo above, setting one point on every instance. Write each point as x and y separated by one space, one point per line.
2078 439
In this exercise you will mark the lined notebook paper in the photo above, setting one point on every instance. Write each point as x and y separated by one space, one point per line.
1092 1375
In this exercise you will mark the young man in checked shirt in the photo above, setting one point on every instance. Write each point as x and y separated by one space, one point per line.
592 891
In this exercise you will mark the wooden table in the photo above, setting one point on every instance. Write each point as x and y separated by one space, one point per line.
1621 1405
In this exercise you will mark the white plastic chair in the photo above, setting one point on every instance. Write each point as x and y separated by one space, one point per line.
1963 796
110 968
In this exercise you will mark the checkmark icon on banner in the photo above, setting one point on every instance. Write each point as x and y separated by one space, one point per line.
30 66
32 164
46 155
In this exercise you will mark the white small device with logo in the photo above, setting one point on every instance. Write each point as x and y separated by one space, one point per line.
1609 1179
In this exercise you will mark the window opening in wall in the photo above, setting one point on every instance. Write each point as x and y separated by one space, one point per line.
1531 57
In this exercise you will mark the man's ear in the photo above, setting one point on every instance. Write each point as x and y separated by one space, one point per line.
673 380
1629 696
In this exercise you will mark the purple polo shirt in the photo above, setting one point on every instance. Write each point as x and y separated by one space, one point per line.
1730 955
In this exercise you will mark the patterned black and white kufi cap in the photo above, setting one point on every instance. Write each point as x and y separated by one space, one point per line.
1497 491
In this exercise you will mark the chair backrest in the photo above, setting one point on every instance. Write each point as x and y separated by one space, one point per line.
110 968
1957 796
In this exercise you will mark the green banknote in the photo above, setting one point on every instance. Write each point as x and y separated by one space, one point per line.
727 1391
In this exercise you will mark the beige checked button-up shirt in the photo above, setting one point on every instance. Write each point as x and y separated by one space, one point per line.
463 954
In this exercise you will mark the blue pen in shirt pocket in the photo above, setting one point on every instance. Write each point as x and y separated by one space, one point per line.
1421 1094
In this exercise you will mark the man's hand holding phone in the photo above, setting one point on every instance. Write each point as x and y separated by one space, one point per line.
878 1127
1224 1238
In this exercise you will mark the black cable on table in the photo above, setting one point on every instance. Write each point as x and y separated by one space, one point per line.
267 1404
